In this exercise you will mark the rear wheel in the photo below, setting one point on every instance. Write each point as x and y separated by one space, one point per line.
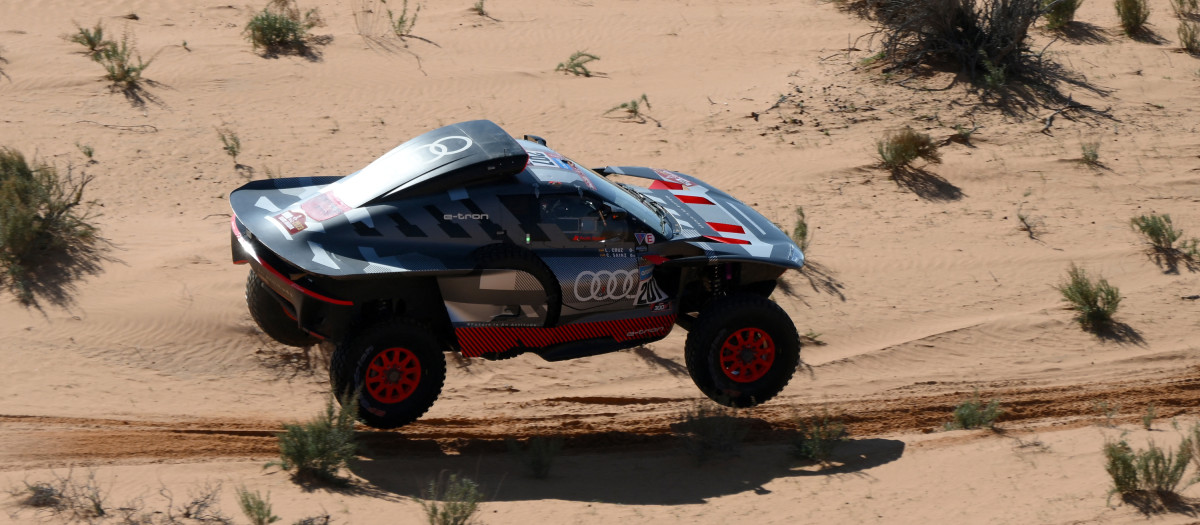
396 369
742 350
271 316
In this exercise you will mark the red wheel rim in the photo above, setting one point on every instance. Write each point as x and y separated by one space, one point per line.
393 375
747 355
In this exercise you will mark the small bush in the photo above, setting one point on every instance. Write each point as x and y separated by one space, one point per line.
479 8
450 501
711 431
92 39
1152 471
232 144
1095 302
120 64
1108 410
1185 8
65 496
800 232
1189 37
280 27
899 149
984 38
577 64
1133 15
42 213
633 108
1158 231
1149 416
317 450
1091 153
819 436
537 454
1059 13
973 413
256 508
402 25
87 151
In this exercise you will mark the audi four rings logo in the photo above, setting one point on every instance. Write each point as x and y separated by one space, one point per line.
595 286
440 149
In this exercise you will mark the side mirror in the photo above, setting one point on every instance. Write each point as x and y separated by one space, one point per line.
614 212
535 138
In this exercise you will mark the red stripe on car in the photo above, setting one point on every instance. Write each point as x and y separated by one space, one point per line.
478 340
692 199
727 240
727 228
665 185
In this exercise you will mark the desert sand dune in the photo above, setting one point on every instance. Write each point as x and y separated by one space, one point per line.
923 288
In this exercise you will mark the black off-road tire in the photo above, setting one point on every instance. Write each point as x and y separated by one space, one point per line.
271 317
396 368
509 257
725 321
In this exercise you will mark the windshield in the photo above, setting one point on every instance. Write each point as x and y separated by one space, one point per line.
644 208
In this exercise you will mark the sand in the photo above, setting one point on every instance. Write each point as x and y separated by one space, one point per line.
150 373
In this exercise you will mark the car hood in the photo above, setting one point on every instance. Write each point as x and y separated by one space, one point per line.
722 226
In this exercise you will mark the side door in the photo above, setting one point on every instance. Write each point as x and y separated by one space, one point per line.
592 250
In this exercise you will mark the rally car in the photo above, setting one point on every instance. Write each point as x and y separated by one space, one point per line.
468 240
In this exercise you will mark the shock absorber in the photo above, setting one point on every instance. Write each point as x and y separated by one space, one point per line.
717 281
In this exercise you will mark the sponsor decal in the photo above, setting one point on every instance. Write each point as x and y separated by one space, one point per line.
606 285
645 272
616 252
293 222
644 238
324 206
441 147
644 332
465 216
671 177
649 293
660 307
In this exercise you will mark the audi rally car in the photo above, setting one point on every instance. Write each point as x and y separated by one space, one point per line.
467 240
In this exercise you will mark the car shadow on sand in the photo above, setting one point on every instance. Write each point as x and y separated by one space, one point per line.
666 476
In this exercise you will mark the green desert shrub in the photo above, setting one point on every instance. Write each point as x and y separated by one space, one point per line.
576 64
232 145
1133 15
280 27
319 449
1189 36
42 214
974 413
1185 8
402 25
1158 230
899 149
537 454
1059 13
800 232
1094 302
1090 153
983 37
1153 471
711 431
122 63
92 39
451 500
256 508
818 437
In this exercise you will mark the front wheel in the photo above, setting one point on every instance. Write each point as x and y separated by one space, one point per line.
396 370
743 350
